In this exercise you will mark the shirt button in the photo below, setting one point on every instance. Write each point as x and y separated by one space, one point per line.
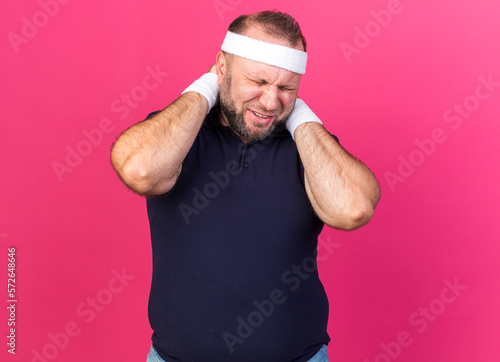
245 165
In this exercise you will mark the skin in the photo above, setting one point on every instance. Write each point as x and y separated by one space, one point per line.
256 87
148 156
250 122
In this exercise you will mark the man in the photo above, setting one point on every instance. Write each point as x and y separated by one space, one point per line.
236 203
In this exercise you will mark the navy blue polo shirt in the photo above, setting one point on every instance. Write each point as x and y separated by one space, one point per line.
234 254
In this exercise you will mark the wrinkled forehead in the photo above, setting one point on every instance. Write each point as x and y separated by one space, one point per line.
263 73
281 56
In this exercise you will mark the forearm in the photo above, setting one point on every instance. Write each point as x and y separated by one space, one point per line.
148 156
344 192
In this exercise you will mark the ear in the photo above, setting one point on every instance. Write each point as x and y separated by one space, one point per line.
221 66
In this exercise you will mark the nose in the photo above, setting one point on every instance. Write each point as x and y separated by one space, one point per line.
270 98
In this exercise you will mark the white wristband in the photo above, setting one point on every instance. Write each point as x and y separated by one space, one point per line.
207 86
301 114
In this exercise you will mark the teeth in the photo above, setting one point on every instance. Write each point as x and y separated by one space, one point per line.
260 115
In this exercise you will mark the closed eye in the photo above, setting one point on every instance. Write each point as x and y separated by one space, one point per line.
263 82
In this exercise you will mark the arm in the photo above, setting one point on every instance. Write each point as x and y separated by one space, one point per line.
342 190
148 156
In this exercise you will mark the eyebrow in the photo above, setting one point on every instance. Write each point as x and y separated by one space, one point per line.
260 80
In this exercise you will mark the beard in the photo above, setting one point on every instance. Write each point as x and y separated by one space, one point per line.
236 118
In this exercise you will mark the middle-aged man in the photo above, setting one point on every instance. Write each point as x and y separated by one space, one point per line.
236 203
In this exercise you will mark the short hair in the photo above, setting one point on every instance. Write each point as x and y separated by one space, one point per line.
274 23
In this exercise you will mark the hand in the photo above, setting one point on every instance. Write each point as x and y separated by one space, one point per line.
213 69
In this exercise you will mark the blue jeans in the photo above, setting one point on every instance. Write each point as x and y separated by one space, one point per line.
321 356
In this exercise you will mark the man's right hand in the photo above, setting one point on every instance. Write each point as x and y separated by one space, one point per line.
148 156
207 86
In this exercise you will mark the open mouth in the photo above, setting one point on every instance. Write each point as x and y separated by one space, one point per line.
261 118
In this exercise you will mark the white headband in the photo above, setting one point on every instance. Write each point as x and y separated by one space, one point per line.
273 54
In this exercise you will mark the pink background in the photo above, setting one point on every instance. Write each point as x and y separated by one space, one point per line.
65 76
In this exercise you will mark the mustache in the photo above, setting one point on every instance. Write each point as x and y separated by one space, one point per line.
262 110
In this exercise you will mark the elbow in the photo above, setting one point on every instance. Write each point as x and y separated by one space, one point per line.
358 215
362 211
354 211
141 180
136 175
